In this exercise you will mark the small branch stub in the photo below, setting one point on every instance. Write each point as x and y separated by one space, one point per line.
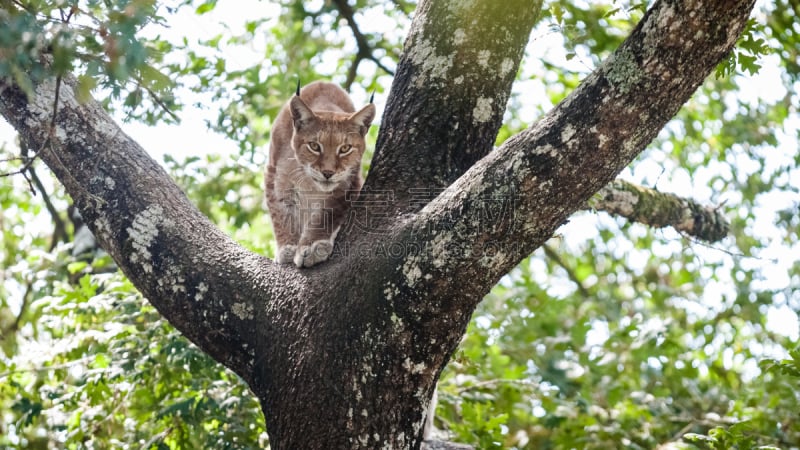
658 209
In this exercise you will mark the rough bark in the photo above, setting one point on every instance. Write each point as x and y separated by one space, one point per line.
449 94
346 355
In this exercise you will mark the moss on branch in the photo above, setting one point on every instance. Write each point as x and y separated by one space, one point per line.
659 209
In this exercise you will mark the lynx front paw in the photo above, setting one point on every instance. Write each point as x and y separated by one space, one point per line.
286 254
309 255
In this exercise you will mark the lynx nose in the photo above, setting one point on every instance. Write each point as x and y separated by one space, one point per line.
327 174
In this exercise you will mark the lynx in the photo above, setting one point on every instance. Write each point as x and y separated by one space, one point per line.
314 164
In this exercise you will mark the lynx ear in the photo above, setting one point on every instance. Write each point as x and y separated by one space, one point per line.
301 114
363 118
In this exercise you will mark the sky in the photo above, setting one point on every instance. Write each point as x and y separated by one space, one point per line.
195 138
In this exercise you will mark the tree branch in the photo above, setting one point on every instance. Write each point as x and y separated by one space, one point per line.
449 94
659 209
551 169
197 277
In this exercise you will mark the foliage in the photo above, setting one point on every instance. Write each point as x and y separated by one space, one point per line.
102 369
613 335
99 40
117 373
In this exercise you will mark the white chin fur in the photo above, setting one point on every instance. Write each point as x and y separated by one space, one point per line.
326 186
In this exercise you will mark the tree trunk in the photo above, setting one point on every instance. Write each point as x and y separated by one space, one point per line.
347 354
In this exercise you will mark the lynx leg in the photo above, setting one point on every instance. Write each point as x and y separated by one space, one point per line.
286 228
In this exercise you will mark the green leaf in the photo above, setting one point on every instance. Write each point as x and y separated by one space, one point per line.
154 79
206 7
76 266
86 83
101 361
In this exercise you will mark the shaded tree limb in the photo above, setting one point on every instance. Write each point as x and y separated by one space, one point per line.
551 169
181 262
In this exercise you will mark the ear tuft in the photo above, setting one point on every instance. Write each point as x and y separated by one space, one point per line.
363 118
297 92
301 113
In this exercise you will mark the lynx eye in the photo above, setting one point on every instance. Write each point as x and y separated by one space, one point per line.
314 147
345 149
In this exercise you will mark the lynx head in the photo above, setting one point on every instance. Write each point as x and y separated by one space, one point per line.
329 145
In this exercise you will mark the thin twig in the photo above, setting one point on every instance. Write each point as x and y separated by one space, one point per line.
677 436
24 306
553 255
351 72
692 422
65 365
380 65
60 231
494 383
365 50
21 5
696 241
159 436
7 332
157 100
13 158
23 151
26 165
30 183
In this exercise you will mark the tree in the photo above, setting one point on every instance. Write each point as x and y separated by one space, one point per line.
347 355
